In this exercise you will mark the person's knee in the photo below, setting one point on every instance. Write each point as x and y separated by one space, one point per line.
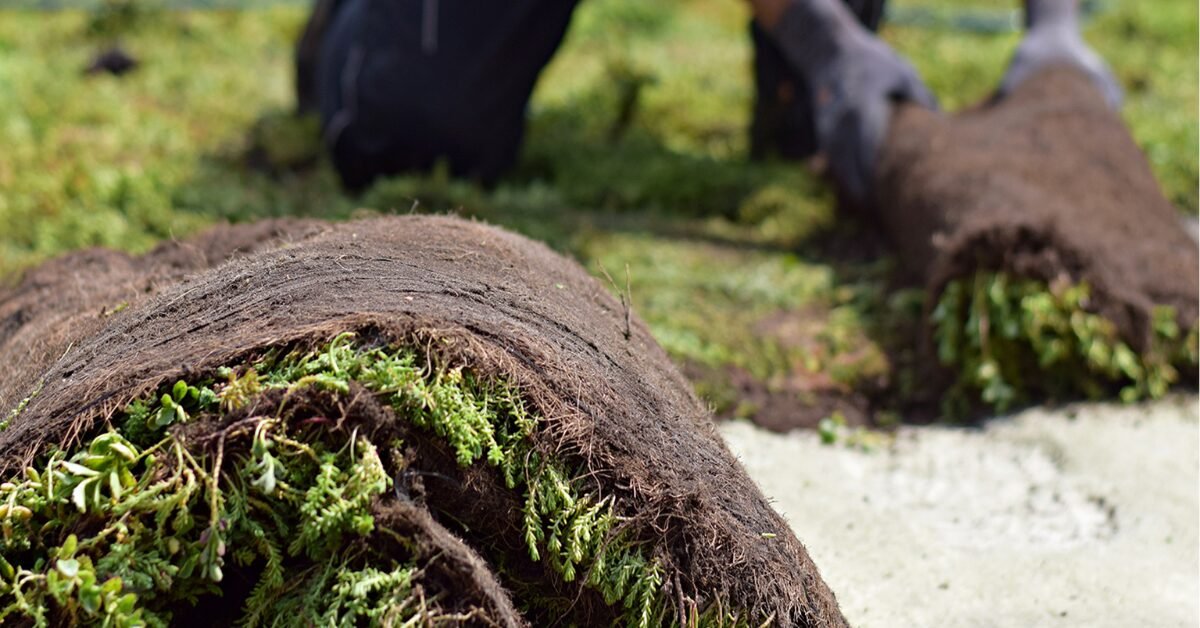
419 142
391 102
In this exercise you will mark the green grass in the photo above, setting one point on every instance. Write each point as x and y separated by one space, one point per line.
718 249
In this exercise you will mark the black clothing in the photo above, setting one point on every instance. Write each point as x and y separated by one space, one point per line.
404 84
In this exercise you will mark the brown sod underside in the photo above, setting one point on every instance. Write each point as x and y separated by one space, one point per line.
467 298
1044 185
70 298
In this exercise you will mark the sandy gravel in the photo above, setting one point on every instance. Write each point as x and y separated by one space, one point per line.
1086 516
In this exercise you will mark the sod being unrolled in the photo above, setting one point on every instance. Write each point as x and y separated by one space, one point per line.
1053 264
401 421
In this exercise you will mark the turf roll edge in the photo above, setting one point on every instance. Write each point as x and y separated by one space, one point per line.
460 420
1054 265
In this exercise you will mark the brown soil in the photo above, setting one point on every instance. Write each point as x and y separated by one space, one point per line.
797 397
449 564
467 295
1046 183
795 402
799 401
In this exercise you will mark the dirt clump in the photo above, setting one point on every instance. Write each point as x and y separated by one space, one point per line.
115 61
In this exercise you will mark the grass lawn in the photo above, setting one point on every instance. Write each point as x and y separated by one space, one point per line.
741 269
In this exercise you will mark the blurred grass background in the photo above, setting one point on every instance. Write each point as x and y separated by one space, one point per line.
741 269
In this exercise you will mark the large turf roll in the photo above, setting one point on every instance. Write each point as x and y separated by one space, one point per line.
429 396
1043 191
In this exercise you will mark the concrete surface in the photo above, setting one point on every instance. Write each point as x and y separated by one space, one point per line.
1084 516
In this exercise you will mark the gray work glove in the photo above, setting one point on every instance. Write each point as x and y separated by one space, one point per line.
853 79
1057 40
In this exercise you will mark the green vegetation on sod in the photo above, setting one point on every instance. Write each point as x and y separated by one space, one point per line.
1014 341
740 269
165 522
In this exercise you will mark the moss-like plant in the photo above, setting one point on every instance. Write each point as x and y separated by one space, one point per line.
1013 340
140 521
119 533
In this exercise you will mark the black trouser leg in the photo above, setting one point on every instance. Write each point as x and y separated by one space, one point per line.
308 50
405 84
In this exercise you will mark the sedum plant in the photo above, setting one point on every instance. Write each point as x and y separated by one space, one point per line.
140 523
1013 340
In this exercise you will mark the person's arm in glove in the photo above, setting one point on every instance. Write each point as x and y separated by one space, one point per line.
1052 36
854 79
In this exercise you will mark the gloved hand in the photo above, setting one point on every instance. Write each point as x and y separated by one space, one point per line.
1056 39
853 79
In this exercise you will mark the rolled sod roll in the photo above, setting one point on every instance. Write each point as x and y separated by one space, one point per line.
415 419
70 298
1053 263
